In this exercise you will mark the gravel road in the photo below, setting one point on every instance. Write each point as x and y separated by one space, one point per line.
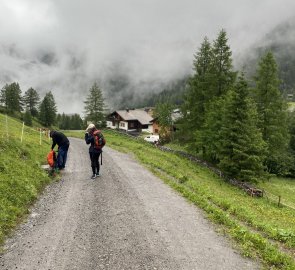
125 219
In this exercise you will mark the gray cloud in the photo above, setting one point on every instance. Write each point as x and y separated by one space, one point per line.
65 46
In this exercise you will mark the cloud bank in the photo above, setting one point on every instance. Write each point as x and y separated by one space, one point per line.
130 47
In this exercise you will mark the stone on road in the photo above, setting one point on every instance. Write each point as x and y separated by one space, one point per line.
125 219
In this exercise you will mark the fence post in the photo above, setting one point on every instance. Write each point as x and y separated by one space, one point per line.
40 137
21 138
7 128
279 201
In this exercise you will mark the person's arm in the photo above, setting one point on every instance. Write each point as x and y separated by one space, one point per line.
88 138
53 143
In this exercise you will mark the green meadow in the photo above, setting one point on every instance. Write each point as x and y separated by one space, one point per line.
21 178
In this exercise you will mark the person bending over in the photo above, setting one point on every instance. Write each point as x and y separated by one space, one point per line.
58 138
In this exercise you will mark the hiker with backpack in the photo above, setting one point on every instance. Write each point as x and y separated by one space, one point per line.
95 138
58 138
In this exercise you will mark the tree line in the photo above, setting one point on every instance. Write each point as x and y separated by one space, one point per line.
29 106
241 125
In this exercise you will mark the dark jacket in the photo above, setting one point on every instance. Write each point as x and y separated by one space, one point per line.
59 139
89 139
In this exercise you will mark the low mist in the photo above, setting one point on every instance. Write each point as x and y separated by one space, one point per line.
132 49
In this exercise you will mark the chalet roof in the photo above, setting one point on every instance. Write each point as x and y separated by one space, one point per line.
142 116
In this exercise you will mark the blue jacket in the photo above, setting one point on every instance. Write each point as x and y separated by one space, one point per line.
89 139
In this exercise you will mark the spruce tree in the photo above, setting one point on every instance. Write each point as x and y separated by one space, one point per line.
11 98
31 100
198 91
272 111
215 76
76 122
222 69
28 118
48 110
241 148
94 106
208 138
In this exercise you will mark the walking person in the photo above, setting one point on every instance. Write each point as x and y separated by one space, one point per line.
58 138
94 137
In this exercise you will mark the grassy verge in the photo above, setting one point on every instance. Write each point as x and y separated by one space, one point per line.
21 177
259 227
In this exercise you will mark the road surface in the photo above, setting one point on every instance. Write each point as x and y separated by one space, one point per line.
125 219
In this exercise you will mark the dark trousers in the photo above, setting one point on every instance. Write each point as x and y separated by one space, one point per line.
94 157
62 156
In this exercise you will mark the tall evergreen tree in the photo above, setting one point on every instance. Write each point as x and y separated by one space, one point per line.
48 110
208 138
198 90
213 77
241 149
11 97
220 79
31 100
94 106
272 111
224 76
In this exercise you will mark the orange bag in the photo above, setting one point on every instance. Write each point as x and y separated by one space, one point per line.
51 158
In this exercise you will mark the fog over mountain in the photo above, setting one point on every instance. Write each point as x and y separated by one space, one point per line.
132 48
281 41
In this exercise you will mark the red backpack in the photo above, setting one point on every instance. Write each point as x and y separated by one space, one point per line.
51 158
99 140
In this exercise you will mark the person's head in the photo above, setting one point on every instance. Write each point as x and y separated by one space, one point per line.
90 128
51 132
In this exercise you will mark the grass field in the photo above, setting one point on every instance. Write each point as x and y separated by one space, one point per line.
259 227
21 178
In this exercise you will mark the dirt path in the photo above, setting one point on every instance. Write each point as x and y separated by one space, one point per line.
126 219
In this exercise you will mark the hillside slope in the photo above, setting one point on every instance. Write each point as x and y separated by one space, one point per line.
21 177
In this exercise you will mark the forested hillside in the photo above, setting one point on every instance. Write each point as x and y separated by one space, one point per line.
281 42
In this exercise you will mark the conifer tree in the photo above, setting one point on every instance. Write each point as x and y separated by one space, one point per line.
94 106
31 100
241 148
222 68
198 91
76 122
48 110
28 118
208 138
272 111
213 77
11 97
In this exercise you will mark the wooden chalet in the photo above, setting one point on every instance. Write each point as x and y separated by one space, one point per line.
130 120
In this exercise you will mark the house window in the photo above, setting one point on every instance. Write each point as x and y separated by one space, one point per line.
156 130
122 124
131 125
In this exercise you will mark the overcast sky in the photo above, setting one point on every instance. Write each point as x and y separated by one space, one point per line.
66 45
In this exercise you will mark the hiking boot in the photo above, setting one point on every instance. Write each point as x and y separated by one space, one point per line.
97 175
93 176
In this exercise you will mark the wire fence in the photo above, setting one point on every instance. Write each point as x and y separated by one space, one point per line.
12 129
249 188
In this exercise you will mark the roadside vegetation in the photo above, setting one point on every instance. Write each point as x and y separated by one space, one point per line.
21 176
259 227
